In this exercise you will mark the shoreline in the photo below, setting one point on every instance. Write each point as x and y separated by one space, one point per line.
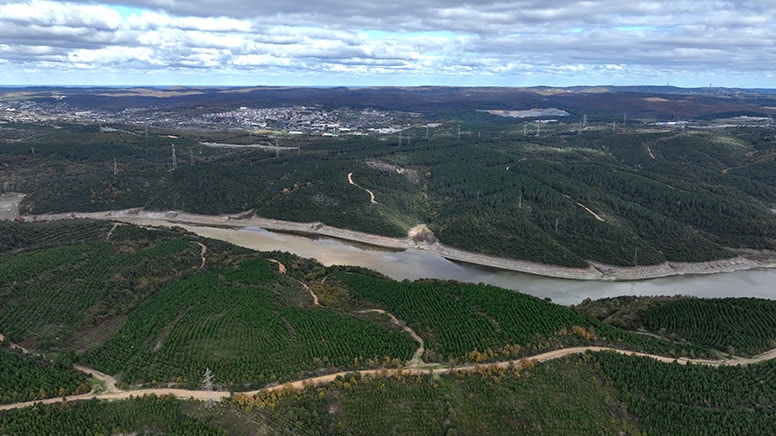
596 271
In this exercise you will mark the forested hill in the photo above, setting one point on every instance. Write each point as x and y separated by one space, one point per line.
613 188
156 309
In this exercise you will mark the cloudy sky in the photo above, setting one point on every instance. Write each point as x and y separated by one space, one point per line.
388 42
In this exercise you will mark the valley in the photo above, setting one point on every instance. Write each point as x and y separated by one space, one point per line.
413 247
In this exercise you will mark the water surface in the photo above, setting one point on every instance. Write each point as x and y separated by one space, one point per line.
415 264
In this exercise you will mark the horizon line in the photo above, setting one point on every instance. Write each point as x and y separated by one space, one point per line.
129 86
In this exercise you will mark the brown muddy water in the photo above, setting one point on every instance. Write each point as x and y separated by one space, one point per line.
415 264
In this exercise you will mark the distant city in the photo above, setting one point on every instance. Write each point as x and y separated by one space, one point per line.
291 119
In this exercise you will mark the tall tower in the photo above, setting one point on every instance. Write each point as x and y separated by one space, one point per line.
207 384
174 160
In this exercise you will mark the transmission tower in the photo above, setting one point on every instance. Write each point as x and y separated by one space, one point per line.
174 160
207 384
115 167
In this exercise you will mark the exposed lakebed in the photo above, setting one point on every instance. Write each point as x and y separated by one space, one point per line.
415 264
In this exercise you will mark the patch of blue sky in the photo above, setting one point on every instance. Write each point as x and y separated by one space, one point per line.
126 11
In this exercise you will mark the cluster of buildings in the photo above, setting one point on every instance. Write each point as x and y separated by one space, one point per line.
297 119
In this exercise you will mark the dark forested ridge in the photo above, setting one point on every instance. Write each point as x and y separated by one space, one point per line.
638 195
557 199
743 326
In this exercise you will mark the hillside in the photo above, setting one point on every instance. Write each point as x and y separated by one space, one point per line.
637 196
157 308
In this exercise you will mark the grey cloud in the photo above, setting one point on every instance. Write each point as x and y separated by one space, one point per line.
435 36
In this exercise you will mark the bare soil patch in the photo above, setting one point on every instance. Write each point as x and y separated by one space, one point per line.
9 205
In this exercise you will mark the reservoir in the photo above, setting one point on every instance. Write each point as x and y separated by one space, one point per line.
415 264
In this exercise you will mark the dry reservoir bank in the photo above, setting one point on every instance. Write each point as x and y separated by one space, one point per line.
414 264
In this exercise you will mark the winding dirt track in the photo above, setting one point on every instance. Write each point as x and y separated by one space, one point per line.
202 254
281 267
110 232
312 294
416 360
371 194
113 393
598 217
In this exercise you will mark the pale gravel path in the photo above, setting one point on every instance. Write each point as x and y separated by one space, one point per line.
113 393
416 360
281 267
371 194
598 217
312 294
110 232
203 250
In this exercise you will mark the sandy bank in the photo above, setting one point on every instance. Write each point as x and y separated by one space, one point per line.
596 271
9 205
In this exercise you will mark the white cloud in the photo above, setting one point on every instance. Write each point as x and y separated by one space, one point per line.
400 39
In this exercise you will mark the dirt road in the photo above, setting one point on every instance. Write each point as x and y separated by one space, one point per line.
312 294
371 194
202 251
598 217
416 360
112 393
108 382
